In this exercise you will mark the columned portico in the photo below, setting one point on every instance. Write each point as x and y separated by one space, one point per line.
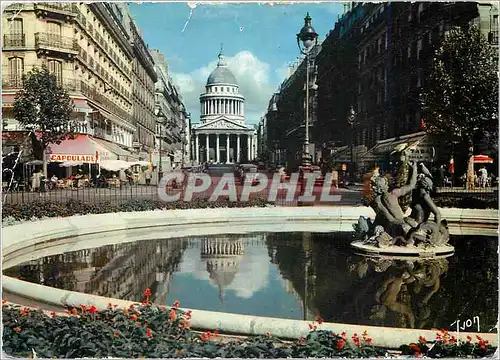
222 117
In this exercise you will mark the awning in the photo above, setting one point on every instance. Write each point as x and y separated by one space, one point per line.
482 159
79 149
419 151
8 100
82 105
115 165
116 149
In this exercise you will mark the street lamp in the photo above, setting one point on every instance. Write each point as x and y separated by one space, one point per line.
351 120
309 37
183 135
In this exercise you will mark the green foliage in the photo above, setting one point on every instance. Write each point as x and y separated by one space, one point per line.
447 346
43 105
151 331
466 202
29 210
460 99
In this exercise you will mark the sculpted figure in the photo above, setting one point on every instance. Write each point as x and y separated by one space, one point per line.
422 204
389 213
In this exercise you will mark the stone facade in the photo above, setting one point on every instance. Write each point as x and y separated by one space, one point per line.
222 136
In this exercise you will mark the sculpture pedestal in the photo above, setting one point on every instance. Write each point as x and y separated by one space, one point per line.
404 251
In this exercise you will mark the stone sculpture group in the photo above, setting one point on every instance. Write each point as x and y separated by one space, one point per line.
423 228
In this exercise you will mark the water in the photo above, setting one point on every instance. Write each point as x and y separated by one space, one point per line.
288 275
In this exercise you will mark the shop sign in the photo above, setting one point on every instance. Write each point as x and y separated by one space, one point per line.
422 153
74 158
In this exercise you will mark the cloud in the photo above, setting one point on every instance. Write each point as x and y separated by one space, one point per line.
253 76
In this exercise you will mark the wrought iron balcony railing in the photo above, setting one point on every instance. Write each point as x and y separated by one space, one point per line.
12 83
14 40
47 40
56 8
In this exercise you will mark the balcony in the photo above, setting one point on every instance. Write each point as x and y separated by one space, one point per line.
52 43
12 83
55 10
14 41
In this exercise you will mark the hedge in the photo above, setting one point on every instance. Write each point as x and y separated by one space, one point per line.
152 331
47 208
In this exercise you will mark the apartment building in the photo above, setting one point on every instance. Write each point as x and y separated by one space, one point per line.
143 88
172 128
88 53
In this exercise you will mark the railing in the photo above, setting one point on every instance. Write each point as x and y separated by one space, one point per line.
43 39
83 55
12 83
91 93
57 6
14 40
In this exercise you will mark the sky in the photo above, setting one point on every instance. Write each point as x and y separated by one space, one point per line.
259 42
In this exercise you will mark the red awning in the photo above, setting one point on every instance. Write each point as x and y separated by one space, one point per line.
482 159
81 147
8 100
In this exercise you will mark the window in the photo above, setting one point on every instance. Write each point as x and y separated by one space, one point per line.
54 28
419 48
16 26
227 89
16 71
55 67
215 89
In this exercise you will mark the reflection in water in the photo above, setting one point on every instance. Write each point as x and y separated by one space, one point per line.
408 285
290 275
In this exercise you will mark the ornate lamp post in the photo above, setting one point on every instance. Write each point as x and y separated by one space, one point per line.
183 135
309 37
351 120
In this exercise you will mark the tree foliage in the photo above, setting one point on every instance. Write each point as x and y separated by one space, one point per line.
460 99
44 106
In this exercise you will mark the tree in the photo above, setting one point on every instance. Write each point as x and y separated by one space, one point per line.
45 107
460 99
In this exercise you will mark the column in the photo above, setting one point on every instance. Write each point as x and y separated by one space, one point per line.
217 110
238 148
208 147
224 106
197 150
227 148
248 147
218 149
255 146
232 107
242 109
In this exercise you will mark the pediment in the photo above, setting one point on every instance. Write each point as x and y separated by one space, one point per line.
222 124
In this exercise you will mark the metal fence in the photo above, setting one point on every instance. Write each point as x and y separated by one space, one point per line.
125 193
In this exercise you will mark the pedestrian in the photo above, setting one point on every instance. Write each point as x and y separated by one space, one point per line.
148 177
442 175
335 178
483 177
36 180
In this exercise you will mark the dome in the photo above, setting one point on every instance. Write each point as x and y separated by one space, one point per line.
221 74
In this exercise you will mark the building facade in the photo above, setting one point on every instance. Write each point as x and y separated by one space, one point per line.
370 71
88 54
222 136
143 93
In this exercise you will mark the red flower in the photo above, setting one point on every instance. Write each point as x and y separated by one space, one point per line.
301 340
93 309
116 334
4 301
216 332
176 304
138 324
368 340
145 302
17 329
133 317
147 292
53 314
422 340
24 311
310 326
188 314
146 323
268 333
83 307
340 344
74 311
469 339
414 347
453 339
149 334
355 339
319 319
172 315
343 334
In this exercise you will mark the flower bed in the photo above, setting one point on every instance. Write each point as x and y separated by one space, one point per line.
151 331
49 209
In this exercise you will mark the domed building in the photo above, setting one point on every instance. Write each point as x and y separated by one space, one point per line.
222 136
